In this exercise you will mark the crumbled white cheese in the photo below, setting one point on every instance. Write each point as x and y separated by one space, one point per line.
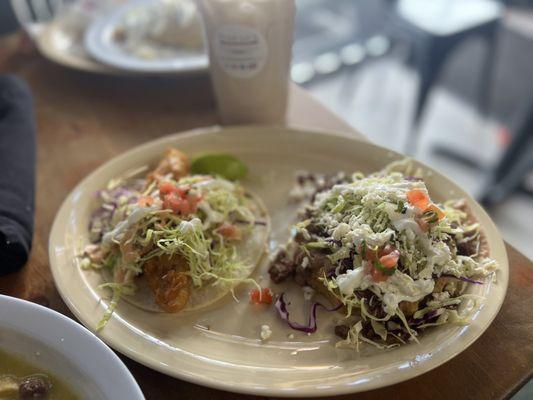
340 231
301 192
351 280
297 193
360 232
329 220
266 332
305 262
290 336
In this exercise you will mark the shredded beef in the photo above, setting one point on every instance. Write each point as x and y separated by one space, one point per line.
468 248
342 331
281 268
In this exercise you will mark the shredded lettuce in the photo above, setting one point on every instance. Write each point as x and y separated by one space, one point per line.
373 211
127 234
118 289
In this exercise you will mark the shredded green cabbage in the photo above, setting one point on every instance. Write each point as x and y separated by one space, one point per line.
130 234
371 212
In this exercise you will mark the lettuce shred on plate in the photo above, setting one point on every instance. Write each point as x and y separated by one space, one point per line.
394 260
178 230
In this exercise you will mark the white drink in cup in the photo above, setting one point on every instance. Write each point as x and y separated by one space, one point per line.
250 45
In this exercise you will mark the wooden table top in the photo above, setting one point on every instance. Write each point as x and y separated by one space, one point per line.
83 120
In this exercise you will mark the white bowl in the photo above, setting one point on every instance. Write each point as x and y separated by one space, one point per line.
66 349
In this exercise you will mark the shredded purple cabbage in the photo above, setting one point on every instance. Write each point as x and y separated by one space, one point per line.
100 218
311 326
425 318
464 279
331 273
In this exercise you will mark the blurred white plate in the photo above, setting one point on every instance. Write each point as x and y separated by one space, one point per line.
101 44
65 47
220 346
64 348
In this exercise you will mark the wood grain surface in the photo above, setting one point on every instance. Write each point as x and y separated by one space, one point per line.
83 120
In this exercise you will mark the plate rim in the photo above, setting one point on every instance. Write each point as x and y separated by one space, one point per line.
249 389
92 41
46 47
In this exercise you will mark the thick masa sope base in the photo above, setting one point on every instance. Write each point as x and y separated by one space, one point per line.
220 346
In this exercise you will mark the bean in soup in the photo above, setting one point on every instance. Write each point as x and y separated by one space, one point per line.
20 380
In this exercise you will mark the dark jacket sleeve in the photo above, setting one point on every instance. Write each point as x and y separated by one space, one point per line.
17 173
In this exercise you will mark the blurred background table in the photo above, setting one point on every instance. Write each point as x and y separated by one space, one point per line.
83 120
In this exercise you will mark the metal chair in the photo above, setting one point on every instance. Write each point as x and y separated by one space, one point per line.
434 29
31 14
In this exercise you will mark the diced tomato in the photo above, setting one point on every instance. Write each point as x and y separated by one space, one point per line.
378 276
263 296
228 230
371 254
437 210
183 190
367 252
389 248
185 207
178 199
173 202
418 198
166 188
386 257
390 260
145 201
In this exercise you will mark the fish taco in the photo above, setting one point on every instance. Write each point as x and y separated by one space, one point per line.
173 240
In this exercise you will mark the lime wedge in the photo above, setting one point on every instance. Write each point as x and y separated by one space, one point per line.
224 165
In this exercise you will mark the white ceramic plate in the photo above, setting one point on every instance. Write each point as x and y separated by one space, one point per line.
66 349
220 347
65 47
100 44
